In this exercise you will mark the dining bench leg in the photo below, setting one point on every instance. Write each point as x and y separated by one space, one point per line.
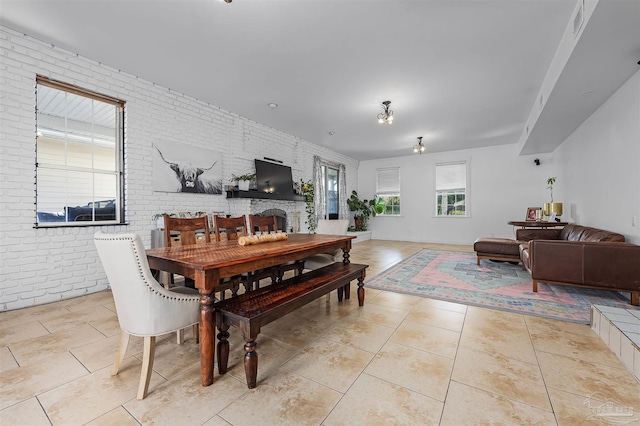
361 289
251 363
223 344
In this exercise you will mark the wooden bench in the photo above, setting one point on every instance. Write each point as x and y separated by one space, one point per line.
250 311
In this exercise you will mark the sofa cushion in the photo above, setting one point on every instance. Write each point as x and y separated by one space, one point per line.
497 246
584 233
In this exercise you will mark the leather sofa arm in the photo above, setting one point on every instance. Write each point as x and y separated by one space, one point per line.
529 234
602 264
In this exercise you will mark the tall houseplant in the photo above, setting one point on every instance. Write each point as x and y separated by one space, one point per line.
363 210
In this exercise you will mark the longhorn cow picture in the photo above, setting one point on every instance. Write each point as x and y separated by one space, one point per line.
181 168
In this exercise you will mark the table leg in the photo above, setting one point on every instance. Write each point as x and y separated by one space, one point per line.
207 337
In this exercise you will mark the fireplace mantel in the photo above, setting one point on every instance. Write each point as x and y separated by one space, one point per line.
264 195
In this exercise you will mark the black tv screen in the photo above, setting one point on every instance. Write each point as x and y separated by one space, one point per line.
273 178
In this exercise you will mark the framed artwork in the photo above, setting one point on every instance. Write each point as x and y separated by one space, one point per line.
532 213
179 167
184 215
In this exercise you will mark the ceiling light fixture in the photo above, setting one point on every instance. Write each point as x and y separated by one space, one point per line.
272 105
227 1
386 116
419 148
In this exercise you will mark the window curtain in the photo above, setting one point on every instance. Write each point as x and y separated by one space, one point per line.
343 210
319 199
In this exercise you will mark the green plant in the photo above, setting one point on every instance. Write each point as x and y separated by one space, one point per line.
159 215
550 182
307 190
251 177
364 209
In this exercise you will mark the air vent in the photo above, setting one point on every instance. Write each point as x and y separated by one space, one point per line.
578 20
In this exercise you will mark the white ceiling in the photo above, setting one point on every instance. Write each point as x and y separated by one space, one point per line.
462 74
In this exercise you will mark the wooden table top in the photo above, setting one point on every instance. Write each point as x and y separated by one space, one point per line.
225 254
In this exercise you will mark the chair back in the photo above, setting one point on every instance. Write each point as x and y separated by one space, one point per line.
233 227
143 307
188 229
332 227
262 223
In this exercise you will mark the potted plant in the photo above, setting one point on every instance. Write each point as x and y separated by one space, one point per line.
551 208
243 181
363 209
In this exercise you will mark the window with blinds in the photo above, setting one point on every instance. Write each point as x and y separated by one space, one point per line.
79 156
388 189
451 189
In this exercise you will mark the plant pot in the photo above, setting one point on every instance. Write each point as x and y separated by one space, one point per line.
243 185
160 222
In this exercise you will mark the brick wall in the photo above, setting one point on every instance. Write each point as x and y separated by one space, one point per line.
44 265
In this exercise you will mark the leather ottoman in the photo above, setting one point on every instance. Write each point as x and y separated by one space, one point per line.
503 249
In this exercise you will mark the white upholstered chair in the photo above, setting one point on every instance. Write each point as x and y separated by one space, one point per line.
143 306
329 227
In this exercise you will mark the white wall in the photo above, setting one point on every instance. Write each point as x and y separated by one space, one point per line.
600 175
44 265
502 186
598 180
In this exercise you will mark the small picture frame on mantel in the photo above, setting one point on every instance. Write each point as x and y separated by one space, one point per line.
532 213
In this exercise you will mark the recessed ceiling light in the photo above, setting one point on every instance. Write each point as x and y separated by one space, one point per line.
273 105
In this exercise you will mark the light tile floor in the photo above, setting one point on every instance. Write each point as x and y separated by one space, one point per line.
398 360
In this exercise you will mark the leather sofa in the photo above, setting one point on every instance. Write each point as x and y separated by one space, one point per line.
582 256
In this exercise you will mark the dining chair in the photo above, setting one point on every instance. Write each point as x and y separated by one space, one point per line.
329 227
270 224
144 308
232 228
188 229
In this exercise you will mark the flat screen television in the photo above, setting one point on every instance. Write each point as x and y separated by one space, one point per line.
273 178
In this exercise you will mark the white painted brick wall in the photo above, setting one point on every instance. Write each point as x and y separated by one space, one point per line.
44 265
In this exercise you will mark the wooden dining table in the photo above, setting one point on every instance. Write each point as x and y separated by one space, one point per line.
207 263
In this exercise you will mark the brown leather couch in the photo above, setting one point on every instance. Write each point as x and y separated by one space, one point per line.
582 256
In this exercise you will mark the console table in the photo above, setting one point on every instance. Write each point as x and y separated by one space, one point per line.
536 224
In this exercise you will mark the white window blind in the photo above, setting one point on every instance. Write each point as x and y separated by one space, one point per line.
451 176
388 181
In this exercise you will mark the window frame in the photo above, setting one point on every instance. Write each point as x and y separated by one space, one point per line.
395 192
119 158
453 191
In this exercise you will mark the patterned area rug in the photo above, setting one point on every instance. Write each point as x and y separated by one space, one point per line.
455 277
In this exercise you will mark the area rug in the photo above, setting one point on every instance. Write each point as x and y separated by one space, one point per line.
455 277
